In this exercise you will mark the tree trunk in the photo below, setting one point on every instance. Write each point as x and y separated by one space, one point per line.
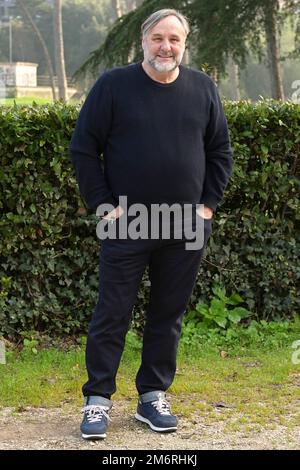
186 57
43 44
215 76
234 77
59 51
273 51
121 7
118 8
129 5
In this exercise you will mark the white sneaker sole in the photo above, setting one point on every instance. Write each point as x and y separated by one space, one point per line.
154 428
93 437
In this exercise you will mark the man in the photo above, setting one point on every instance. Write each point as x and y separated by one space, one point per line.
164 138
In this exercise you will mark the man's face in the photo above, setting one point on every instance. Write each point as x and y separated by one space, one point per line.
164 44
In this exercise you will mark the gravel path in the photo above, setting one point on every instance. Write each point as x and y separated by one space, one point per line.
58 428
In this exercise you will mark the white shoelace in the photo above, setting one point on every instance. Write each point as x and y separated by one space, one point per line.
162 406
95 413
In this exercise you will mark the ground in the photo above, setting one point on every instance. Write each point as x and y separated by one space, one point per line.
58 428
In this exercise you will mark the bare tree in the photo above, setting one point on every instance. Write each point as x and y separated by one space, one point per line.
119 8
42 42
59 50
273 51
234 77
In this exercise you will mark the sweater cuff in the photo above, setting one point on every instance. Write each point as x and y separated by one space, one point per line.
212 204
110 200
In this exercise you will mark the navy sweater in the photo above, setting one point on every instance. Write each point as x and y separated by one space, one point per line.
161 143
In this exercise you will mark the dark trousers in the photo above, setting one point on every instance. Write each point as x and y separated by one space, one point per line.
173 271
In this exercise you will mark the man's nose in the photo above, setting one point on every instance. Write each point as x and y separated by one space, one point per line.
165 45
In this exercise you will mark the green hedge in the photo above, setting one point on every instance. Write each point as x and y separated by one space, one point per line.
49 248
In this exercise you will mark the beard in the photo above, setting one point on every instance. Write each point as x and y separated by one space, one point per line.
164 67
168 66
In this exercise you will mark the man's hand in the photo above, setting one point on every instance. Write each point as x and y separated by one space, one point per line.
114 214
205 212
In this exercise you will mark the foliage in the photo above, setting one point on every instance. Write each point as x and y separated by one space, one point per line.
48 244
257 334
29 347
218 311
4 285
219 326
124 39
219 28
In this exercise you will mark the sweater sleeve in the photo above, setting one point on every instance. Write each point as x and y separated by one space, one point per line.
88 142
218 154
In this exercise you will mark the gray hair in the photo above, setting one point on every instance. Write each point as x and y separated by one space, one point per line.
157 16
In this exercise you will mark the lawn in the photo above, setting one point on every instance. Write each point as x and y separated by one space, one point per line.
257 386
26 100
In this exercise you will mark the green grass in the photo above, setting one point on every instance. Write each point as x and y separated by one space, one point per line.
25 100
258 386
29 100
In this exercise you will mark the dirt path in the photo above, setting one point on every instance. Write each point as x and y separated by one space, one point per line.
58 428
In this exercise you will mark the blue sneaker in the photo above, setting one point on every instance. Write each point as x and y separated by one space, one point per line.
154 410
95 420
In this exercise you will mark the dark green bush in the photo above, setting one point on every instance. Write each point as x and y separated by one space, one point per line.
48 243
